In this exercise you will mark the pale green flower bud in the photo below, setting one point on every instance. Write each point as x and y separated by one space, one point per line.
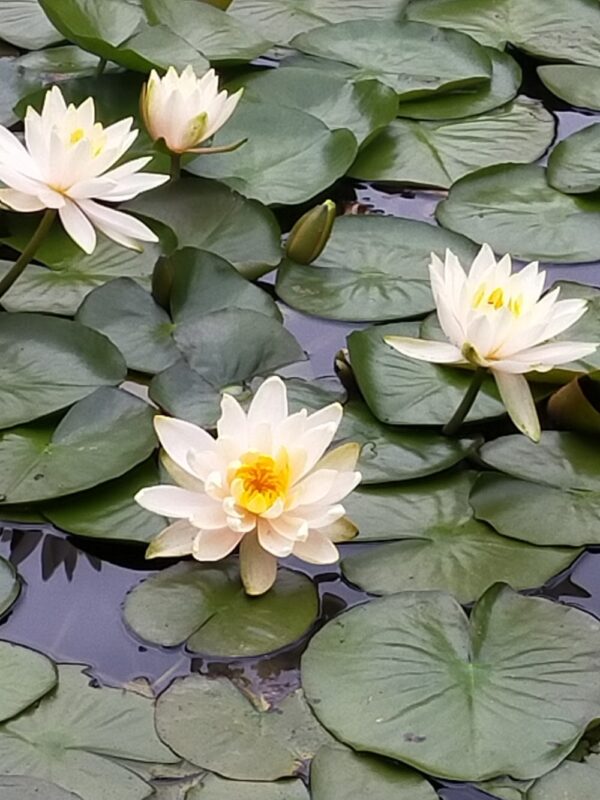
311 233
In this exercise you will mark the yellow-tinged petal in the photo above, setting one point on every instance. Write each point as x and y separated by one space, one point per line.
257 567
344 458
518 401
175 540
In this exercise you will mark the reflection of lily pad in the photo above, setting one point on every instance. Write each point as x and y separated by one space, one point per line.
10 586
194 718
25 676
439 543
510 690
206 607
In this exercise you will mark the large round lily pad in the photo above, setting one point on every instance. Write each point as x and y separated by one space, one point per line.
514 209
508 691
414 59
100 438
10 586
75 736
25 676
373 268
49 364
206 607
194 718
577 85
438 544
574 164
440 153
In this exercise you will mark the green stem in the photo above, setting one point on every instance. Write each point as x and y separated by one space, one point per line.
29 252
101 67
175 166
466 404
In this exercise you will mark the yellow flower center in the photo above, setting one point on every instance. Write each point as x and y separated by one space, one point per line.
496 299
77 135
260 480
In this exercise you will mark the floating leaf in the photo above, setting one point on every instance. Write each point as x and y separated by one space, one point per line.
25 677
372 268
423 683
100 438
10 586
194 718
513 208
337 774
574 164
587 328
109 511
24 24
288 158
206 607
14 84
75 736
22 788
210 216
503 87
49 364
442 547
56 63
570 781
577 85
215 788
439 153
414 59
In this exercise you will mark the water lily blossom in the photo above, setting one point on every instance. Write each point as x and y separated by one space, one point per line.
67 165
265 483
185 110
499 321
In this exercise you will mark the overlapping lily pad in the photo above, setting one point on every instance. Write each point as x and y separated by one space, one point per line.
570 781
373 268
514 209
561 30
25 677
558 479
206 607
23 788
75 737
193 717
56 63
10 586
417 671
24 24
586 329
210 216
574 164
577 85
337 774
50 363
415 60
288 158
100 438
440 153
212 787
438 544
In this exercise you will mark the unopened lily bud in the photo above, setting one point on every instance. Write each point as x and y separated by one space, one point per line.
162 281
185 110
311 233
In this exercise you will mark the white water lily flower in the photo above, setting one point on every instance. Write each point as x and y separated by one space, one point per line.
264 483
185 110
67 164
499 320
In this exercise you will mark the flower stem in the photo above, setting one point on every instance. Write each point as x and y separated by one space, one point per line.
175 166
466 404
100 67
29 252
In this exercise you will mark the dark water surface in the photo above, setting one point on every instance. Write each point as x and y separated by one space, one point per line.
74 588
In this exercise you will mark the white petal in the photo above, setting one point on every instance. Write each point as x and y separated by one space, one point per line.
176 540
128 188
180 476
272 542
317 549
172 501
312 489
269 404
19 201
551 354
518 401
257 567
179 437
343 458
232 423
292 528
215 545
115 224
344 483
211 517
78 226
343 530
424 350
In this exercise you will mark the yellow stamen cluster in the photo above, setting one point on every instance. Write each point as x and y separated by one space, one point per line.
496 299
259 481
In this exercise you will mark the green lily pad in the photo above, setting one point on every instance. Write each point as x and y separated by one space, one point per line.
440 545
100 438
372 268
24 24
206 607
212 787
337 774
194 718
577 85
109 511
75 737
14 84
362 107
281 20
10 586
559 30
574 164
50 364
423 683
440 153
395 454
25 677
210 216
58 63
288 158
587 328
415 60
503 87
513 208
570 781
559 479
23 788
